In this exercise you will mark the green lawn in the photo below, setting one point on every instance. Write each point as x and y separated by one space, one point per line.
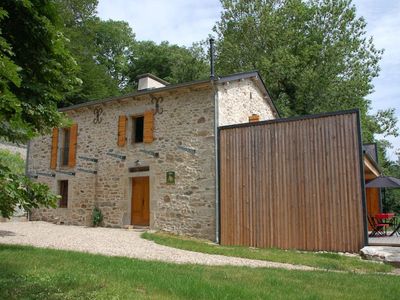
34 273
329 261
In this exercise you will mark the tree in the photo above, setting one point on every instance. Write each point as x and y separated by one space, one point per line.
115 42
36 72
110 59
170 62
13 161
314 55
14 186
391 201
75 13
101 49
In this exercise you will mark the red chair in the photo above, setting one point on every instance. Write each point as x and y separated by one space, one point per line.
377 228
397 229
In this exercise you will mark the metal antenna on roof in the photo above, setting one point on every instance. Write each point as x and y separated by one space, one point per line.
212 75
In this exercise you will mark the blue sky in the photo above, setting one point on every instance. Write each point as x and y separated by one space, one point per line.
183 22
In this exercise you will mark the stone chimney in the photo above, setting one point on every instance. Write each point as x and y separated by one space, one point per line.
149 81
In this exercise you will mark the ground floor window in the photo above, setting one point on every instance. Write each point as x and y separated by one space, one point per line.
63 191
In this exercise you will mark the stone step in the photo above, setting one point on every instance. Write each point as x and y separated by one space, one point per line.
136 228
382 253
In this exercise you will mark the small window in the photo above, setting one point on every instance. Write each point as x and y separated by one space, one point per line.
63 191
137 129
65 147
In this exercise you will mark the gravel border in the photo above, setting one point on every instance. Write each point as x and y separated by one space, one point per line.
117 242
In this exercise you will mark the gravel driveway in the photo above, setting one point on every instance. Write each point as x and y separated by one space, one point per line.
116 242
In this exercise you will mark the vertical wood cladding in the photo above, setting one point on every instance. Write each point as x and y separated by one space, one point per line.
293 184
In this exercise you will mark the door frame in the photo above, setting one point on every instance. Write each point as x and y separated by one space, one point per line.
131 193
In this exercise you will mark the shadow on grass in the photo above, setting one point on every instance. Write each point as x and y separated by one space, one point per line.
35 273
30 281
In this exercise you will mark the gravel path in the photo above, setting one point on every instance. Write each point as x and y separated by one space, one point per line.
116 242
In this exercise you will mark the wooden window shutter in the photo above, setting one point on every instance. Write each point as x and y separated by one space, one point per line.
122 120
254 118
54 149
148 125
73 139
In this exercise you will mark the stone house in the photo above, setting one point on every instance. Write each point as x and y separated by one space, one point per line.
147 158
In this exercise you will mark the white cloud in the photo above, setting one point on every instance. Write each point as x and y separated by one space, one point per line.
177 21
383 23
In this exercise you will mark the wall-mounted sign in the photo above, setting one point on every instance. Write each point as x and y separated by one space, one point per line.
139 169
171 177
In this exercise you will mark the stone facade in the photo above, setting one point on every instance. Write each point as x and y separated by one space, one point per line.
19 149
240 99
186 122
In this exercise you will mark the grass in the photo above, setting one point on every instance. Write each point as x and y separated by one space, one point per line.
328 261
35 273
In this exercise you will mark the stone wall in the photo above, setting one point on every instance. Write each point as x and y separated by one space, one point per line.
186 207
21 150
240 99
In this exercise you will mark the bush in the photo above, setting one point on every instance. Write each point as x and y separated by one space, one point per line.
13 161
97 217
19 191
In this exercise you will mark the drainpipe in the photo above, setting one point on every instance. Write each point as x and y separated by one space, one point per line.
216 121
212 71
28 215
27 159
216 150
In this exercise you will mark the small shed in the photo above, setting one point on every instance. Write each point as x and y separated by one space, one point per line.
294 183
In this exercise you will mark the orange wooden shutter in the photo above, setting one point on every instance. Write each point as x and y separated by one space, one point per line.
254 118
73 139
122 130
148 124
54 149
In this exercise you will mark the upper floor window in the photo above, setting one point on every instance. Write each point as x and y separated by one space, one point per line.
65 146
141 130
137 129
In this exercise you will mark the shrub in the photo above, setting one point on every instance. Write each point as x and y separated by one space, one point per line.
97 217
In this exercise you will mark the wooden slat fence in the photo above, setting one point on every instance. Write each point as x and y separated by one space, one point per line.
293 183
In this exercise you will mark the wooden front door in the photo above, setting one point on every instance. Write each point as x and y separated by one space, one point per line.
140 210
